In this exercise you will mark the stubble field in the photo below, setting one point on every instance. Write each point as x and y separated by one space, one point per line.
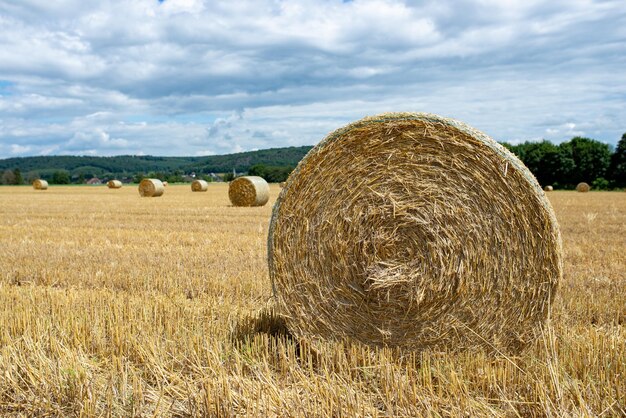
116 305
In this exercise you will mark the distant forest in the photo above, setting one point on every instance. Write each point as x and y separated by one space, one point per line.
132 168
562 166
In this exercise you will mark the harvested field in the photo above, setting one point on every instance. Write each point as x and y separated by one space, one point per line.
168 311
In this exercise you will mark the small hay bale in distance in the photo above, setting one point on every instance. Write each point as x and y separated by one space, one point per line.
199 186
548 188
415 231
165 184
151 188
114 184
249 191
40 184
583 187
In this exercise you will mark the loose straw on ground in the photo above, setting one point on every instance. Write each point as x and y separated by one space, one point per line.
114 184
151 188
583 187
199 186
248 191
416 231
40 184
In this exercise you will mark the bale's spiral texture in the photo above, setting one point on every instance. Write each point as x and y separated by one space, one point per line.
249 191
548 188
151 188
583 187
114 184
40 184
417 231
199 186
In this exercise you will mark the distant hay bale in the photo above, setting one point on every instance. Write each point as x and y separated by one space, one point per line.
165 184
114 184
40 184
415 231
199 186
281 184
548 188
248 191
151 188
583 187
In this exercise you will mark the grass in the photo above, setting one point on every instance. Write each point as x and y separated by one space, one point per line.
112 304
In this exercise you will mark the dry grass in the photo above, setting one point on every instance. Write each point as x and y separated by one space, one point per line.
168 312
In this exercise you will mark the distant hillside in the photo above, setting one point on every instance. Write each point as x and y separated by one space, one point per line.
130 165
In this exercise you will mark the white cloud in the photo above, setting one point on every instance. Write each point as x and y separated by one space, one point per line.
185 77
19 149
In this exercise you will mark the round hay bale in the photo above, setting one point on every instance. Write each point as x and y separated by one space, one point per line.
583 187
114 184
199 186
415 231
281 184
151 188
40 184
249 191
548 188
165 184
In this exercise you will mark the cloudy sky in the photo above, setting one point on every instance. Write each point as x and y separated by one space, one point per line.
200 77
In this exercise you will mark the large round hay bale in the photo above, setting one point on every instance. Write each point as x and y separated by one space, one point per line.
151 188
249 191
199 186
583 187
417 231
548 188
40 184
114 184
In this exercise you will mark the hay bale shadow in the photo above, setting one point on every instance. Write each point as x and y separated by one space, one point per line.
268 322
265 321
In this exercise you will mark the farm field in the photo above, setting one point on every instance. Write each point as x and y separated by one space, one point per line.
116 305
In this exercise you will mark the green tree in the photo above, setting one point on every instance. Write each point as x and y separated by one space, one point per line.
617 168
61 177
600 184
138 177
272 174
8 177
258 170
18 176
591 159
549 163
32 176
564 166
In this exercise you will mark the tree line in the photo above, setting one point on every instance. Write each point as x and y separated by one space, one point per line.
560 165
580 159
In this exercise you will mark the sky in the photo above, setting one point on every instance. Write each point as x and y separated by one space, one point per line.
200 77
